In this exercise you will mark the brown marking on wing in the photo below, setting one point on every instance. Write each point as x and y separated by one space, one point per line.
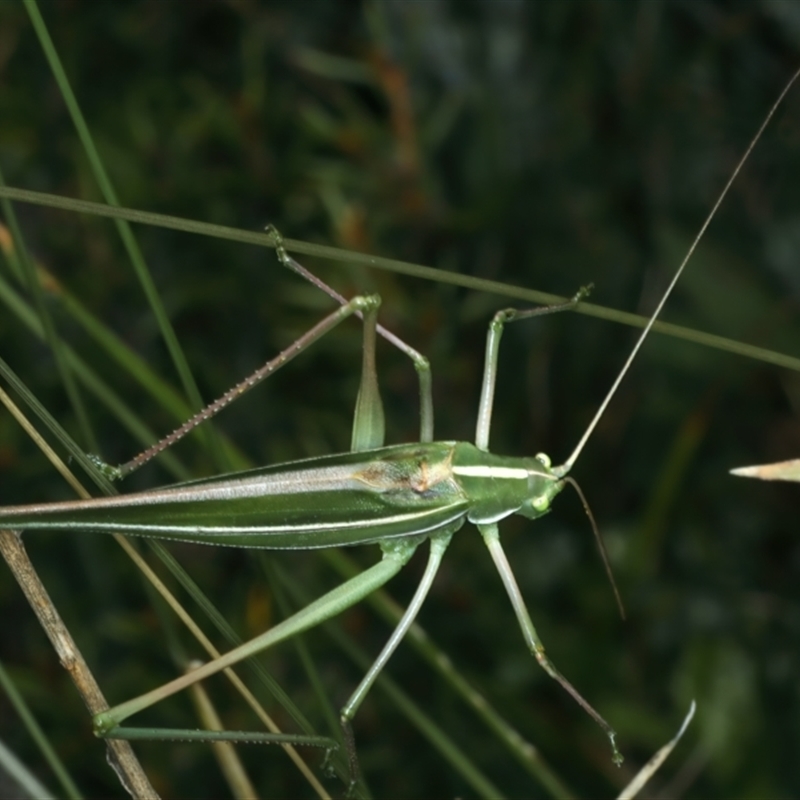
421 478
378 475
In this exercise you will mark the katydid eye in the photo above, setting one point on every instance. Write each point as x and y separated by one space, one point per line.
540 503
544 460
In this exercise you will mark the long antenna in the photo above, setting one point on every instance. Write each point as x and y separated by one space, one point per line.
567 465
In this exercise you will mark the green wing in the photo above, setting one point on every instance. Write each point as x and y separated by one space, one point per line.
347 499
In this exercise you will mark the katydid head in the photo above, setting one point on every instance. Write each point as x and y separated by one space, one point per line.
543 486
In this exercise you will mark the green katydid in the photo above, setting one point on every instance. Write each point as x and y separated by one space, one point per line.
396 496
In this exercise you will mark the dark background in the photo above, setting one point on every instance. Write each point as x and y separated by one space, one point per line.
547 145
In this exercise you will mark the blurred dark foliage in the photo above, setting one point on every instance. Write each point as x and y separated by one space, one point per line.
545 144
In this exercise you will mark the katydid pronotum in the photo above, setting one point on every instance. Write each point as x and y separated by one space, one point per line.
395 496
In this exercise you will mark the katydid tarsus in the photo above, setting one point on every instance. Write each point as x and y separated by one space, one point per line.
395 496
